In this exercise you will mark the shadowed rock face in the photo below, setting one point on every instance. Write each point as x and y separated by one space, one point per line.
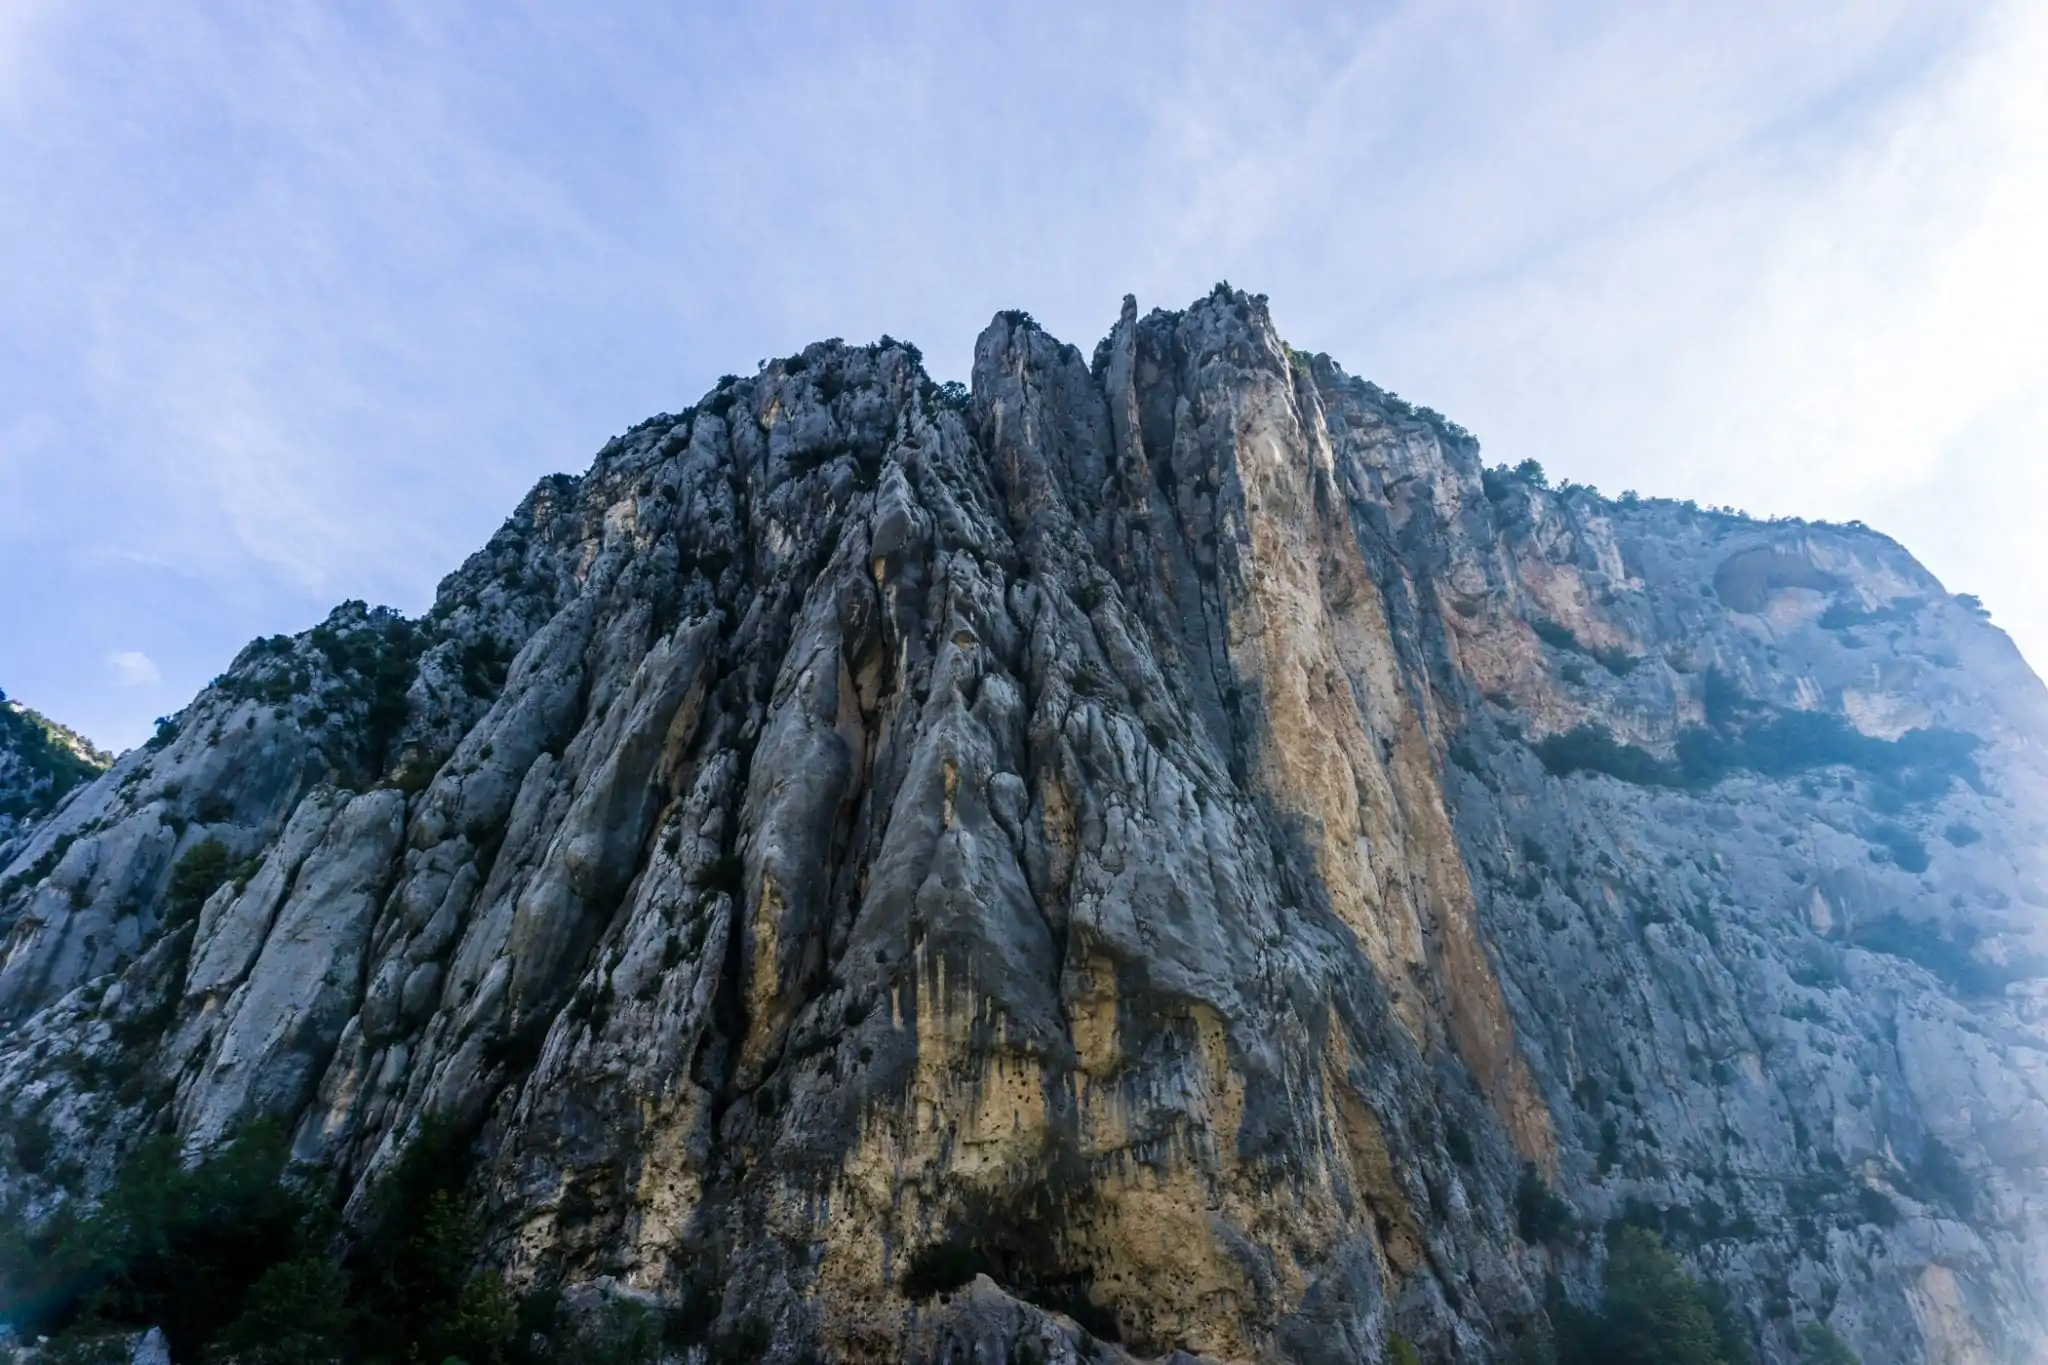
1130 860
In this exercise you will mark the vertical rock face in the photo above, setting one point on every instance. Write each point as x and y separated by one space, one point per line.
1165 832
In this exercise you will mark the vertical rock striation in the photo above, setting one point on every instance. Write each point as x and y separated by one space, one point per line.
1165 832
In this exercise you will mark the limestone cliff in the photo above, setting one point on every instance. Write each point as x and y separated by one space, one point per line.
1168 832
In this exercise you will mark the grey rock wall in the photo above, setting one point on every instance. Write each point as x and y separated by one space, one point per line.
1139 857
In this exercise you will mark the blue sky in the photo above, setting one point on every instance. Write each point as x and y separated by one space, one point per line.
297 300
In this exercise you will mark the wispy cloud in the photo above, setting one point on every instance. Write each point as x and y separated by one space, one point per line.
1842 323
133 668
19 24
301 297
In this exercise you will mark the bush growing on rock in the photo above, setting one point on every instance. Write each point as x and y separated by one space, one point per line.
168 1246
1540 1216
1820 1346
1588 748
295 1314
233 1260
1917 766
1651 1313
197 875
166 731
1901 847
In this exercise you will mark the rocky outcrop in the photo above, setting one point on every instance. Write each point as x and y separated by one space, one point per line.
1150 853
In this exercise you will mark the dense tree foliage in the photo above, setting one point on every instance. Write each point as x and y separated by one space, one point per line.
1918 765
48 759
197 874
235 1260
168 1246
1653 1313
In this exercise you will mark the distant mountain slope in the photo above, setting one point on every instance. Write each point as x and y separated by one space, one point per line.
40 762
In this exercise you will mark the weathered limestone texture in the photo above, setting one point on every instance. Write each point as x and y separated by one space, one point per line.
1139 855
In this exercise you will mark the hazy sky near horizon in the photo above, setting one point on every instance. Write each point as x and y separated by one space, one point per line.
296 300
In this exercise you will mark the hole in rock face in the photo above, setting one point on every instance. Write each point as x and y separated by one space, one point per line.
1019 1256
1746 580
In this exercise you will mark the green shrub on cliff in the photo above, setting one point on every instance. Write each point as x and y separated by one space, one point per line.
1651 1313
168 1246
48 760
1818 1345
197 875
